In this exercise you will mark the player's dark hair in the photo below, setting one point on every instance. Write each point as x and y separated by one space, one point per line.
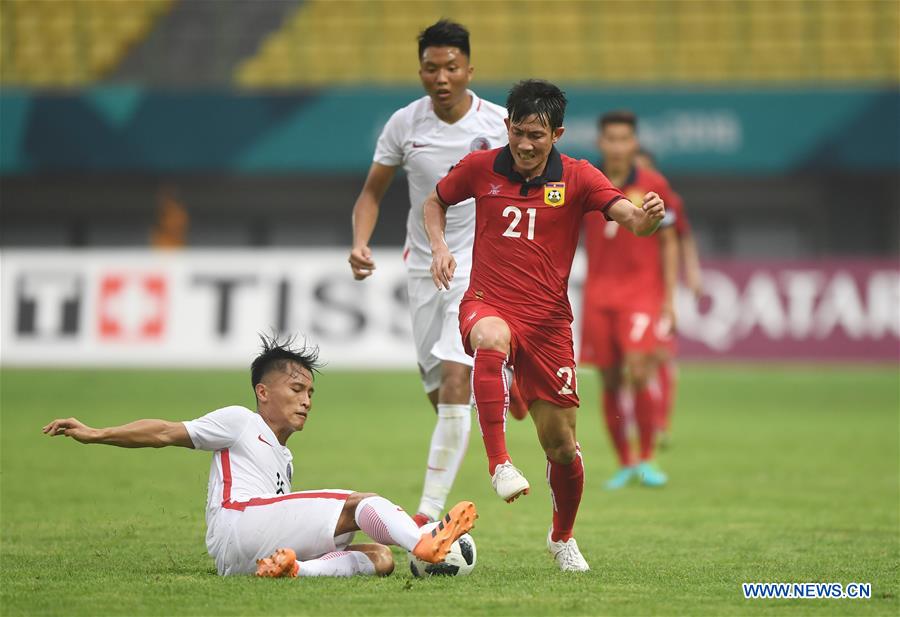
277 354
536 97
445 33
618 116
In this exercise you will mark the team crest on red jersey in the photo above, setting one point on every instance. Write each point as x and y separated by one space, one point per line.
555 194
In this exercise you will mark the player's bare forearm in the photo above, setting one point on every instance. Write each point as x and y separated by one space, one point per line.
442 262
435 214
668 244
641 220
693 275
137 434
365 217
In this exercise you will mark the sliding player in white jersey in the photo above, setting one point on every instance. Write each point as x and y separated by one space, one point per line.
426 138
251 511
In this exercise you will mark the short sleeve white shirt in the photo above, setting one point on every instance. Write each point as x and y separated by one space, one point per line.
427 147
248 462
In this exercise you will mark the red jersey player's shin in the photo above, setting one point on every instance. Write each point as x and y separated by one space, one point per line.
646 411
617 425
566 487
492 400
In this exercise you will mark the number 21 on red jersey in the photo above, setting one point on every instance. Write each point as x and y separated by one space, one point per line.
516 217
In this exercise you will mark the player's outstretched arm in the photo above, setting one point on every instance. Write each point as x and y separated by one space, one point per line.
442 262
640 220
138 434
365 216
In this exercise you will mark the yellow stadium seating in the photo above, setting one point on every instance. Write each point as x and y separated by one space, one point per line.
337 42
64 43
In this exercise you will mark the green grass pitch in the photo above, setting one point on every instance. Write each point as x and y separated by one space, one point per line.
777 474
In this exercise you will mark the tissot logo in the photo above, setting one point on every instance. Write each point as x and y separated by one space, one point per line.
48 304
132 306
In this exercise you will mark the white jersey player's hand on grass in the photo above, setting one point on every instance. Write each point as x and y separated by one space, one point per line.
71 427
361 262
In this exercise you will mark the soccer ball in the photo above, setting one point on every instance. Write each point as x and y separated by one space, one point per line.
460 561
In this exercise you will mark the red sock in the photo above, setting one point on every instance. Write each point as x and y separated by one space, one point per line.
646 406
566 486
667 379
492 400
617 425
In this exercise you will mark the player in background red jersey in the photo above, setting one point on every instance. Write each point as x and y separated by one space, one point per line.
529 205
667 375
629 304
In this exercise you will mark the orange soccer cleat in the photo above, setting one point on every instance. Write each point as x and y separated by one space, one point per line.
281 563
435 543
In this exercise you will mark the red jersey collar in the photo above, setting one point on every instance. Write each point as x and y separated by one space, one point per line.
553 171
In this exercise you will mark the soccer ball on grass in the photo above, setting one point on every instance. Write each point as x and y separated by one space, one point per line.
460 561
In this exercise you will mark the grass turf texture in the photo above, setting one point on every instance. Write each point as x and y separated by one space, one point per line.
777 474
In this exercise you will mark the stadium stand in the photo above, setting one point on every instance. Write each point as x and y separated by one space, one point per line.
692 41
61 43
68 43
198 42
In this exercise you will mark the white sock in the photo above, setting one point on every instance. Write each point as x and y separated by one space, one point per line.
448 446
387 523
341 563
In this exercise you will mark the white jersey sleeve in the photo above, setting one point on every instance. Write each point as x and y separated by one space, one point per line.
427 147
389 149
219 429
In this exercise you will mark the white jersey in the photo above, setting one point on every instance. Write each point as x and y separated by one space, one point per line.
427 147
249 466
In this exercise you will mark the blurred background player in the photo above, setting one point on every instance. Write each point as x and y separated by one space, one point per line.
667 373
426 138
629 297
250 509
530 201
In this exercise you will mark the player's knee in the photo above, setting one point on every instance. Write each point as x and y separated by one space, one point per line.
612 380
563 451
491 337
455 386
639 372
354 500
383 560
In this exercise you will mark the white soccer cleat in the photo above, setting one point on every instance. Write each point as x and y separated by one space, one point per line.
509 483
566 554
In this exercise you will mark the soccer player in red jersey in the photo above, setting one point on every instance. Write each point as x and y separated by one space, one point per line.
629 303
667 374
529 205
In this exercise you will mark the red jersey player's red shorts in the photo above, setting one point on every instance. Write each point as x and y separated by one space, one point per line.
543 355
608 334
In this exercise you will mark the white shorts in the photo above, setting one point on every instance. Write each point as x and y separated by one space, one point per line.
435 326
304 521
